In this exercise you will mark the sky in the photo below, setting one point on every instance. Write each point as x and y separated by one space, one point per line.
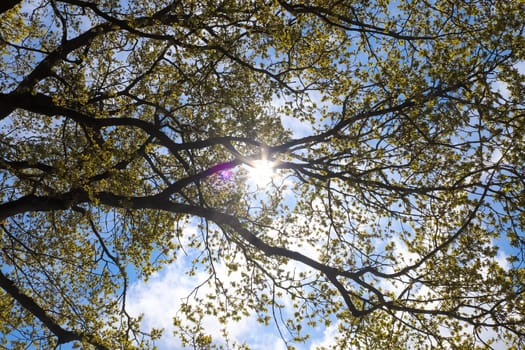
160 297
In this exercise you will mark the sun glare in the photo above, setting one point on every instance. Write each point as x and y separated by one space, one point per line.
261 171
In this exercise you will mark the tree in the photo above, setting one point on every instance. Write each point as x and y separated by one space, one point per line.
398 213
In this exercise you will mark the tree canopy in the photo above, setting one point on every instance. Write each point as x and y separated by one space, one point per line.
394 203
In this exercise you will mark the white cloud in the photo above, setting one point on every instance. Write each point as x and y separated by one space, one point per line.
502 259
299 128
307 113
328 338
160 298
502 87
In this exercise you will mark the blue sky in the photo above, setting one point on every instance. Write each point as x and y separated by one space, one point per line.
160 297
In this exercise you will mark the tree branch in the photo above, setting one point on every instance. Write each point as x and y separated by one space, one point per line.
63 335
6 5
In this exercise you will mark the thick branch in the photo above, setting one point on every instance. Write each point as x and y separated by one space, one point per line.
67 200
42 203
34 203
6 5
44 68
63 335
43 104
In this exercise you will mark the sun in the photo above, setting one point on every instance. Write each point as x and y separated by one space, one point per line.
261 171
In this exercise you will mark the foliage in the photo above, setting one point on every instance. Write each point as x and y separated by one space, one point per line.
396 214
